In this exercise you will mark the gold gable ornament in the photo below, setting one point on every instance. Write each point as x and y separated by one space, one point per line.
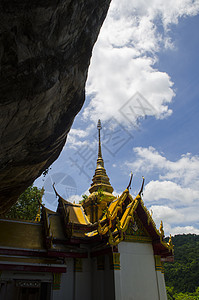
161 229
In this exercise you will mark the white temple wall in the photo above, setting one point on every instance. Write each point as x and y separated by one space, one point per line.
138 277
86 281
83 281
109 291
76 282
67 283
161 285
102 281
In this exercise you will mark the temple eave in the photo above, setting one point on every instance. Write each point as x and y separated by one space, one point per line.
104 187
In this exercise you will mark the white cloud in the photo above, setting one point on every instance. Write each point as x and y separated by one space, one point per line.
184 171
125 53
74 143
173 216
163 212
156 190
174 230
79 133
75 135
185 230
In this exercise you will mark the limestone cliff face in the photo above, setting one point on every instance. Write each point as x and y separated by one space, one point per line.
45 50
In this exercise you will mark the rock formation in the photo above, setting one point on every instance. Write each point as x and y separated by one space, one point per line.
45 50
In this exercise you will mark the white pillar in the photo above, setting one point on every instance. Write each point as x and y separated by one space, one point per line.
117 276
160 278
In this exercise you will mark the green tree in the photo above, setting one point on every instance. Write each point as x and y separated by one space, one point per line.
186 296
27 205
183 274
84 199
170 293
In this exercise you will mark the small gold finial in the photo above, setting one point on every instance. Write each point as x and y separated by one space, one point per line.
129 185
38 216
161 229
141 190
170 241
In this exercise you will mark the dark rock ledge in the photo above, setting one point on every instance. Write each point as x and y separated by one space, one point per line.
45 51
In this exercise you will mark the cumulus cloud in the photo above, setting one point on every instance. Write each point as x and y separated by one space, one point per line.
185 230
77 138
163 212
124 57
183 171
156 190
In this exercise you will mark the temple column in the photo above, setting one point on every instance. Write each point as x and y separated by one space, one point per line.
160 278
117 275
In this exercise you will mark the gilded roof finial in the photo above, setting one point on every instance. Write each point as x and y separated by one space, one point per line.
38 216
141 190
99 127
161 229
170 242
129 185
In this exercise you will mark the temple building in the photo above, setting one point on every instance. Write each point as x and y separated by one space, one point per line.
105 248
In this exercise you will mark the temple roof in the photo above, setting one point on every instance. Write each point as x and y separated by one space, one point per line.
126 218
21 234
76 213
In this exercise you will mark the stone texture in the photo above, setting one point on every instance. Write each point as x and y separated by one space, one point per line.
45 50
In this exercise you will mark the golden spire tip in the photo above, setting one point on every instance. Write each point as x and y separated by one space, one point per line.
99 126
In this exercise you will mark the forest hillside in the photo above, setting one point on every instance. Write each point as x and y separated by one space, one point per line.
182 276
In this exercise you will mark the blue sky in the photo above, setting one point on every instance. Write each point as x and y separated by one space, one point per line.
143 85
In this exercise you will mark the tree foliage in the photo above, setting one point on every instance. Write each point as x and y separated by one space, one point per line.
84 197
27 205
182 276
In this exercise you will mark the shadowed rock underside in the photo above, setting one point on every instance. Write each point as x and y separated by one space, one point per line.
45 51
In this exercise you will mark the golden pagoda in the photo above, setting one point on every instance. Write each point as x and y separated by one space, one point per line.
101 190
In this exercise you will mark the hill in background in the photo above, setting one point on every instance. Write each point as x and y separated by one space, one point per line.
182 276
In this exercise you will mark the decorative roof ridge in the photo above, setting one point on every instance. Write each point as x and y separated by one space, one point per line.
116 234
159 232
64 200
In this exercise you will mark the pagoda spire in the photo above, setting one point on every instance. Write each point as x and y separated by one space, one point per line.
99 127
100 160
100 178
